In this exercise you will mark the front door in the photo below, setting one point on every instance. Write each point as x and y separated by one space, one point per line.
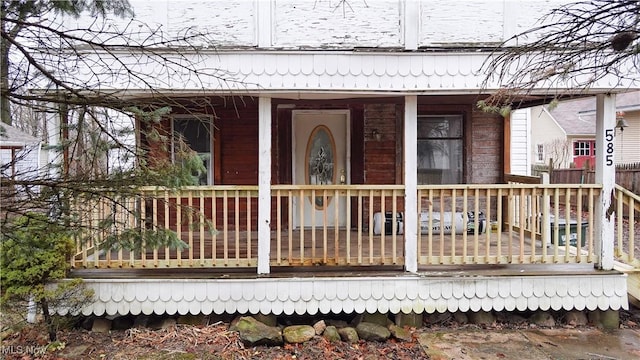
320 152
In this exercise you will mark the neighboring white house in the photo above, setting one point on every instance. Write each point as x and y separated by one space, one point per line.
20 153
565 133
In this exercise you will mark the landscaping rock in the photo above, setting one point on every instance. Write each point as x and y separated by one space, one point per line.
375 318
348 334
319 327
269 319
372 332
337 323
412 319
400 333
296 334
331 334
253 332
233 325
576 318
101 325
542 318
481 318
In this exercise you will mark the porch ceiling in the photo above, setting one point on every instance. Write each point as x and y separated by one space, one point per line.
521 101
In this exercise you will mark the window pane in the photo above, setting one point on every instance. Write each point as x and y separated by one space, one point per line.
447 126
440 149
195 133
540 152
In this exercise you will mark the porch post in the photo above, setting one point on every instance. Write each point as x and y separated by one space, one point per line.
264 184
410 184
605 175
410 25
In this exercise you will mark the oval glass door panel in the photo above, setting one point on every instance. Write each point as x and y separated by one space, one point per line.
320 158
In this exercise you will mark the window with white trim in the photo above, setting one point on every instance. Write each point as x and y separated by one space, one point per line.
540 152
582 148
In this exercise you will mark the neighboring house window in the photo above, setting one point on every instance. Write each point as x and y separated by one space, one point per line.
584 153
196 133
440 149
540 152
581 148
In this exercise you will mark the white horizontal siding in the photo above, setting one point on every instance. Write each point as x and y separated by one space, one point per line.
225 23
471 22
337 24
481 22
628 142
25 165
329 23
528 14
520 142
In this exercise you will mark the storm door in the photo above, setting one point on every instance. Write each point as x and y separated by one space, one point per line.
320 142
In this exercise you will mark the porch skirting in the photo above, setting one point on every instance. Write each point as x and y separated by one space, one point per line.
312 295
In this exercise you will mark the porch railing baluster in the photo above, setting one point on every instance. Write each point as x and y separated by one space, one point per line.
465 220
556 227
336 222
313 228
225 227
359 226
201 223
236 200
190 211
214 223
279 225
370 237
348 225
450 227
301 228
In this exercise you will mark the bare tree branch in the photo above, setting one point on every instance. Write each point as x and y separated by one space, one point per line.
578 44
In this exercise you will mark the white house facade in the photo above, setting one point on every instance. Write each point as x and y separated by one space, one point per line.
383 78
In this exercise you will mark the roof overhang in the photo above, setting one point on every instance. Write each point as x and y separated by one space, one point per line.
318 74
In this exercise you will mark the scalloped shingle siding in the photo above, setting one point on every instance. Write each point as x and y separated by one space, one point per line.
385 294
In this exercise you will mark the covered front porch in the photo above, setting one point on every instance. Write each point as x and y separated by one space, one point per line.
362 243
295 217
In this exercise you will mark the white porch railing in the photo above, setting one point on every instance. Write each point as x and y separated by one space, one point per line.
627 226
517 214
344 225
340 231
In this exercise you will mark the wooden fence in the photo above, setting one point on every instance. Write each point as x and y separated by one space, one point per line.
627 176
